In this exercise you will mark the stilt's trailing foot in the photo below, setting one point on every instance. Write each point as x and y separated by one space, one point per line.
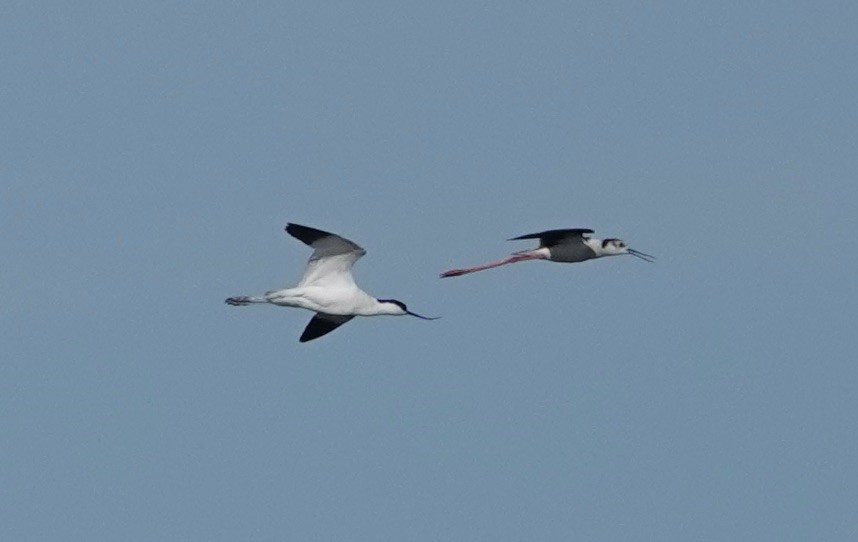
518 257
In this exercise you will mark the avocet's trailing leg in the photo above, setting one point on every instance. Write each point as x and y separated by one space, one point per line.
241 301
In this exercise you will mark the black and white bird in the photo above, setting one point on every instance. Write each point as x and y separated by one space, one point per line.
327 287
567 246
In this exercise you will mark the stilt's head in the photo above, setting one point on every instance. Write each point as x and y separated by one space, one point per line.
615 247
398 308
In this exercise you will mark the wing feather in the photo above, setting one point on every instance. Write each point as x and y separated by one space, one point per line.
322 324
332 259
552 237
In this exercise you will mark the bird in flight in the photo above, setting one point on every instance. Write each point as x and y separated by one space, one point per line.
327 287
567 246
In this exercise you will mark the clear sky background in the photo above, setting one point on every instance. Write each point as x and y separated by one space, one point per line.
153 151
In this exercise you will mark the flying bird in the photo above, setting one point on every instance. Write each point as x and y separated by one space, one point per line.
327 287
567 246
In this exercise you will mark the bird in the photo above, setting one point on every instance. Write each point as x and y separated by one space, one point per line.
327 287
566 245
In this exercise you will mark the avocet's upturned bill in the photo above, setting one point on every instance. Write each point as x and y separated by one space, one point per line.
568 246
327 287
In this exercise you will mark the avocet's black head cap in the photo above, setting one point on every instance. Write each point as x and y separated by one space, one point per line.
402 306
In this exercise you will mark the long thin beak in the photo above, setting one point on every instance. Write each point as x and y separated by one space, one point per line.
423 317
642 256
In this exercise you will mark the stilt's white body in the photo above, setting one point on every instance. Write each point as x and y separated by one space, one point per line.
596 245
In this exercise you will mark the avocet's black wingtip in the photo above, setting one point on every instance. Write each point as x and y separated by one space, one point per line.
305 234
322 324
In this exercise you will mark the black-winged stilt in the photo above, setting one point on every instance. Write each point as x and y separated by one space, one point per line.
566 246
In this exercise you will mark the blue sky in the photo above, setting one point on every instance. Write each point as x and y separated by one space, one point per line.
152 154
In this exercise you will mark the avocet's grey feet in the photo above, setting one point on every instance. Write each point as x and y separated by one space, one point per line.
240 301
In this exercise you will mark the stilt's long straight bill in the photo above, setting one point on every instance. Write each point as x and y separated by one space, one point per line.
513 259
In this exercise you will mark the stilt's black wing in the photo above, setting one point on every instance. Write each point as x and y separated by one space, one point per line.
552 237
322 324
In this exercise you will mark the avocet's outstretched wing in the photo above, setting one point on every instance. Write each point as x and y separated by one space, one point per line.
322 324
332 259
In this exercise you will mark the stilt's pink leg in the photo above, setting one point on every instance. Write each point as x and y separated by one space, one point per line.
513 259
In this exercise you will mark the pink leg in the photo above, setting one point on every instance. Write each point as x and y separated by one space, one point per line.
513 259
